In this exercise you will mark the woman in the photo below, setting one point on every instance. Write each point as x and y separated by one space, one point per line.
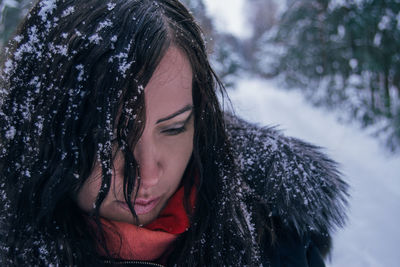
114 151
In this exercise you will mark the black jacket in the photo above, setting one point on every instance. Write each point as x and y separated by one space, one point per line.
293 189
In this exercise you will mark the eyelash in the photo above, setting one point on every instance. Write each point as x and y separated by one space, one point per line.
174 131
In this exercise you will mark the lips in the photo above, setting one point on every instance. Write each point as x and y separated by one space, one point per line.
142 206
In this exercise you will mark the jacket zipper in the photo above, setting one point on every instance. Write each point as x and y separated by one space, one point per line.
133 262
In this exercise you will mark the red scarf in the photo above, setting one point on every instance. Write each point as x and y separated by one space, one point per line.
152 242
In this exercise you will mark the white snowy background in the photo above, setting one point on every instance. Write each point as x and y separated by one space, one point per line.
372 236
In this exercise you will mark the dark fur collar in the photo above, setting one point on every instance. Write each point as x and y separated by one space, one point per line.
297 182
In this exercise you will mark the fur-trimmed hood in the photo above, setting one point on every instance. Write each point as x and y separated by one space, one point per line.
297 182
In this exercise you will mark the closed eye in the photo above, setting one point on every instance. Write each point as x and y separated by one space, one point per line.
174 131
179 127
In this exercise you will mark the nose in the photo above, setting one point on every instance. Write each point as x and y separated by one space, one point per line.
150 168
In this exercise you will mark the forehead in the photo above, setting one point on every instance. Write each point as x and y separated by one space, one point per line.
170 87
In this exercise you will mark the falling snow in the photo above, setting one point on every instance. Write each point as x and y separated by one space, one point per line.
111 6
10 133
104 24
18 38
80 68
47 7
95 38
68 11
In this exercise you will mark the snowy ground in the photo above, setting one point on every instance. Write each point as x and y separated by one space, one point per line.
372 235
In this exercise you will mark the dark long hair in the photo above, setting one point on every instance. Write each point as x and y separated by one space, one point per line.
71 86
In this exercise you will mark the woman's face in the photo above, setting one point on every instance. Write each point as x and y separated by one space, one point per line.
163 150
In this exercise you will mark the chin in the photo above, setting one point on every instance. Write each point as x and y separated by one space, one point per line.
147 218
143 219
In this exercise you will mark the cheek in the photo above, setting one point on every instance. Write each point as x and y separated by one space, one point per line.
179 154
87 195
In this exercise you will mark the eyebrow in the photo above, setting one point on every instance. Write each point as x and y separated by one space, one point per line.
179 112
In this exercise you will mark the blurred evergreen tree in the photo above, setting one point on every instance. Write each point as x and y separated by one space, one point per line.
226 51
261 16
342 54
227 58
198 9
